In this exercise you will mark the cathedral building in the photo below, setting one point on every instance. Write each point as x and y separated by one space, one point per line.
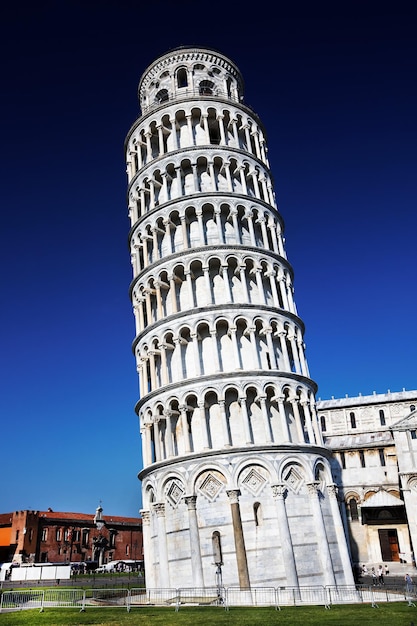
237 482
374 443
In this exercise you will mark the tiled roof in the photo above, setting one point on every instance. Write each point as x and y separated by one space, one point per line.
64 515
6 518
359 440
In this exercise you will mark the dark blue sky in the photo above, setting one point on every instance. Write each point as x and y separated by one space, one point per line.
334 84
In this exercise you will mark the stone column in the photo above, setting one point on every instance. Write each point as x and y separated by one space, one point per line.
245 420
156 440
184 429
174 132
220 119
164 578
168 433
265 417
225 429
147 549
283 416
307 417
203 423
322 543
242 564
297 419
340 534
287 551
147 444
196 565
284 350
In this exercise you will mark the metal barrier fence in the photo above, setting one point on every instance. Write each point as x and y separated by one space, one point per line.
207 596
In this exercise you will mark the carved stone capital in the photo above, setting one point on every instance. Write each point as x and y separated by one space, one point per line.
159 508
279 491
313 488
191 502
233 495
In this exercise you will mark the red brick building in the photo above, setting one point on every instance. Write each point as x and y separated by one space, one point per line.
52 537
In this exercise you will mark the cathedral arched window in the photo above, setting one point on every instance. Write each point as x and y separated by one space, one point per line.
323 422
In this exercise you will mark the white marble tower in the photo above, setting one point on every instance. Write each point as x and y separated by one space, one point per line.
235 475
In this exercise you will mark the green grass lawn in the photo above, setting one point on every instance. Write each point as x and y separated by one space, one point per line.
388 614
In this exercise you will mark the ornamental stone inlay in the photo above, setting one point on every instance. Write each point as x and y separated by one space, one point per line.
294 479
174 493
211 487
254 481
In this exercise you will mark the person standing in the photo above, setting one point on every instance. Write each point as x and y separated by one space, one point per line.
408 583
386 569
374 577
380 575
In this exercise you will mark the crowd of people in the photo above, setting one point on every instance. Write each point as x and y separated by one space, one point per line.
378 576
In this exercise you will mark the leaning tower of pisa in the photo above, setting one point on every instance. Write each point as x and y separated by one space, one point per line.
236 482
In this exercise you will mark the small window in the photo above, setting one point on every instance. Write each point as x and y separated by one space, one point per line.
382 457
217 548
343 460
382 417
44 535
362 458
412 407
352 420
58 534
353 509
323 423
413 434
257 513
17 535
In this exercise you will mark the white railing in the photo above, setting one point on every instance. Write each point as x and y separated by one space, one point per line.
224 597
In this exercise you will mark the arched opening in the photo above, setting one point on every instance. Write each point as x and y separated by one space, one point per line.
353 509
206 88
161 96
257 513
217 548
182 79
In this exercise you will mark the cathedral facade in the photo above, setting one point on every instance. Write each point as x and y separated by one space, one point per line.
374 443
237 483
